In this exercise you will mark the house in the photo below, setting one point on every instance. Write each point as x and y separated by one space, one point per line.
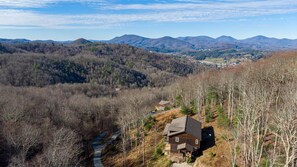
182 137
162 105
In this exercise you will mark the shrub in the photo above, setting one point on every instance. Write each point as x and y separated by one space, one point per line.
186 110
264 162
149 122
148 127
158 152
212 154
136 133
208 115
167 108
236 118
178 100
211 95
223 119
169 163
193 106
189 110
190 160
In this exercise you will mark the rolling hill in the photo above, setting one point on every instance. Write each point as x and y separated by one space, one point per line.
186 44
82 61
165 44
199 47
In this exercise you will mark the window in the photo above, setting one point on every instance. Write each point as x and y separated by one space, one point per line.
196 141
176 139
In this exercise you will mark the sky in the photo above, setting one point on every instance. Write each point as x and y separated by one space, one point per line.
106 19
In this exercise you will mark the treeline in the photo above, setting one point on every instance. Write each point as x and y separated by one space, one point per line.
257 102
54 126
41 64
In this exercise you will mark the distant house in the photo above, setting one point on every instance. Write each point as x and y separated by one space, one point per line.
182 137
162 105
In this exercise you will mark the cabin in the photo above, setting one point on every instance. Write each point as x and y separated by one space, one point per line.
162 105
182 137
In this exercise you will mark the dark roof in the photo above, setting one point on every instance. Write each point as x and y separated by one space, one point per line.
183 124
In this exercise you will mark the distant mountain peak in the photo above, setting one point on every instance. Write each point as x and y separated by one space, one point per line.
129 37
260 36
81 41
225 38
167 37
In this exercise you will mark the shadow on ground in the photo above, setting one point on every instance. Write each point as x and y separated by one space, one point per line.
208 141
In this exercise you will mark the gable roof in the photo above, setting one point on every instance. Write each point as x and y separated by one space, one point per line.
183 124
193 127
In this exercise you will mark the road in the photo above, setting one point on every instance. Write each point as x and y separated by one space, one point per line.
98 146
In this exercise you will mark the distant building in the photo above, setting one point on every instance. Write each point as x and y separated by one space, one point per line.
182 137
162 105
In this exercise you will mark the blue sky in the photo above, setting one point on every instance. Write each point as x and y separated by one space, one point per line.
105 19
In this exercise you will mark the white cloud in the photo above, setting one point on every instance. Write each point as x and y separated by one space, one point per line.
196 11
39 3
20 18
209 5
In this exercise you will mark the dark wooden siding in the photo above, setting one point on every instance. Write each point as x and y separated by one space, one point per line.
183 138
173 148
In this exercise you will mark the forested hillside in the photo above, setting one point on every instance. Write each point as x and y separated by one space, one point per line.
253 107
54 98
41 64
46 121
256 103
54 126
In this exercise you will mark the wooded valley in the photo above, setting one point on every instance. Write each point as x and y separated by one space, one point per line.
55 98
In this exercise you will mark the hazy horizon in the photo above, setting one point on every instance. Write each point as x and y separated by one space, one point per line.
64 40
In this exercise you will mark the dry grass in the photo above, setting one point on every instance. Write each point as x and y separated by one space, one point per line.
221 149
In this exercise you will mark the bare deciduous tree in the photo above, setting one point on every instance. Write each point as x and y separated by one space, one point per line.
64 149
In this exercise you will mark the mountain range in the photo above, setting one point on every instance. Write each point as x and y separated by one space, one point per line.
169 44
186 44
199 47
